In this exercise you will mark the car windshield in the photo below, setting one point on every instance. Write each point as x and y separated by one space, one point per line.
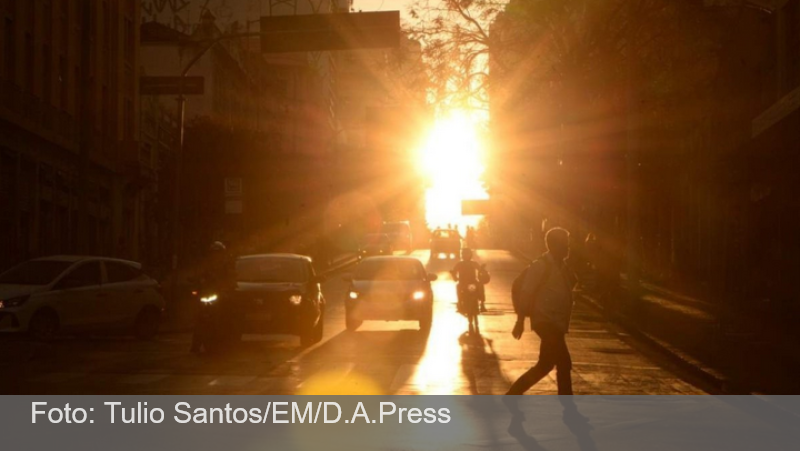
375 239
270 270
445 234
34 272
389 270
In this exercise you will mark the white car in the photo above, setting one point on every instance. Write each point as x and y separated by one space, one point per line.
79 294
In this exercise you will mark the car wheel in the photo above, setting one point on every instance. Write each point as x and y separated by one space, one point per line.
44 325
351 323
426 321
146 326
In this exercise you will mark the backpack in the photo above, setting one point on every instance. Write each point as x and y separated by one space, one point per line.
521 307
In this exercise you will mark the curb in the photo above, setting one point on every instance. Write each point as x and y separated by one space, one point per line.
719 383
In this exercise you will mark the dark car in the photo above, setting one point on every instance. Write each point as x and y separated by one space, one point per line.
445 244
390 289
274 294
400 234
375 244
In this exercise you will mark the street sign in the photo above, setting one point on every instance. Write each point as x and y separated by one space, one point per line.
233 186
164 86
337 31
475 207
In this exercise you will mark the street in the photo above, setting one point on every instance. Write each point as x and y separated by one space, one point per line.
380 358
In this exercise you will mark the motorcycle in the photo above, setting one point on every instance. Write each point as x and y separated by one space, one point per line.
469 297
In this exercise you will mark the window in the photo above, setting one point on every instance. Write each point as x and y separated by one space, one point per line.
105 114
47 20
85 275
34 272
29 64
47 74
64 23
271 270
128 118
10 50
130 44
120 272
62 82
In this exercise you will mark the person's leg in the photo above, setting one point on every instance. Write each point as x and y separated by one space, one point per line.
540 370
563 362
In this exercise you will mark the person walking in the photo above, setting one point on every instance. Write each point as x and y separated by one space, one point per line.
547 294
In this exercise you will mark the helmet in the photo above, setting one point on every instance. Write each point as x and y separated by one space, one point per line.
466 253
217 246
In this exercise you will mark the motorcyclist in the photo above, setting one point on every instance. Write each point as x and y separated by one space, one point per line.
467 274
218 276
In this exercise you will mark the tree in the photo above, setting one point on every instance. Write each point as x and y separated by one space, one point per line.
456 41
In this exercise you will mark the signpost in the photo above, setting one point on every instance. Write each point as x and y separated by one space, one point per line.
325 32
476 207
163 86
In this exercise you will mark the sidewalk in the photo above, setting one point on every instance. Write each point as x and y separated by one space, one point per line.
740 353
181 313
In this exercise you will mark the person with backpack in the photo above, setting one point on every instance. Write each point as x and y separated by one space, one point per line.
543 293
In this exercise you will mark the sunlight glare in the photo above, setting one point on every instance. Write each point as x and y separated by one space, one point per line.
452 162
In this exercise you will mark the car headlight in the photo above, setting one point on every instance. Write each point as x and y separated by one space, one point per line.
295 299
442 256
353 295
208 299
13 302
418 295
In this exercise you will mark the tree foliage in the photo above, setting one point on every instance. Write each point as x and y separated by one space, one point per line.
536 46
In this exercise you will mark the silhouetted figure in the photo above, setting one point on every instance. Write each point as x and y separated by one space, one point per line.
547 289
218 277
467 274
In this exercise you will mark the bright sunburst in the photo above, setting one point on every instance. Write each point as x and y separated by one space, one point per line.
452 160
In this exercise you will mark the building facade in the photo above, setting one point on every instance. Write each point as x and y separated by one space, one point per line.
69 121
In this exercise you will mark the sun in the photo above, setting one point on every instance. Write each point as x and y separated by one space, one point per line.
452 162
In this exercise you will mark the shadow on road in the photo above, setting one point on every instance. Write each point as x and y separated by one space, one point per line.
577 424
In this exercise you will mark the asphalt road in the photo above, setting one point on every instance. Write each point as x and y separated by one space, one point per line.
381 358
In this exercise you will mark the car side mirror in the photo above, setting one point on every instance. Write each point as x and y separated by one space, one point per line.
433 277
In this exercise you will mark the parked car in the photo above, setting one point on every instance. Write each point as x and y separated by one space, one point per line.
400 234
274 294
69 293
445 244
375 244
390 289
